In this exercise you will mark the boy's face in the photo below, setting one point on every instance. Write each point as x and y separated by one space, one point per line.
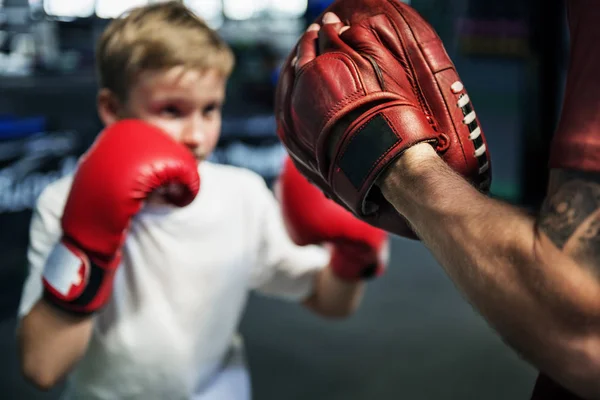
185 103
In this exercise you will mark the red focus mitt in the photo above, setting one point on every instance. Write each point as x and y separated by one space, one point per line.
355 101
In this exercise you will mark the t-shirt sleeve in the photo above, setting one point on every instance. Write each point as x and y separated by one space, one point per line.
44 232
576 143
283 269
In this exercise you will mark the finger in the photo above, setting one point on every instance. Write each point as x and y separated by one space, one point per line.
307 46
313 27
331 18
329 37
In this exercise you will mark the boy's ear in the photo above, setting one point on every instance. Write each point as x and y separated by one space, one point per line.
109 107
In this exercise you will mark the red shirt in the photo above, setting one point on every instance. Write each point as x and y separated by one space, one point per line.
576 143
546 389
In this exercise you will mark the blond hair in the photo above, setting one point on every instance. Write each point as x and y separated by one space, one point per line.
157 36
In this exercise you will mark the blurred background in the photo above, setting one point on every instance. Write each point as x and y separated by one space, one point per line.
414 337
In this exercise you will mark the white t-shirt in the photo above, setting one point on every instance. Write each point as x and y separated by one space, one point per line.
170 328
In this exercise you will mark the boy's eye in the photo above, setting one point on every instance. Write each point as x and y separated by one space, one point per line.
170 111
211 108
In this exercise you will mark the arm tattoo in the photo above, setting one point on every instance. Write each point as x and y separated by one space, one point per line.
570 216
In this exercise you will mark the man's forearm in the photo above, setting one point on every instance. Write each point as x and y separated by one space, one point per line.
534 295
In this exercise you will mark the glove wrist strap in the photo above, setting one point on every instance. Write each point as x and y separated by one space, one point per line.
75 284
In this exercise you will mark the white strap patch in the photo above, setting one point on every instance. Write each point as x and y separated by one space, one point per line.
463 101
62 269
480 150
475 134
457 87
470 117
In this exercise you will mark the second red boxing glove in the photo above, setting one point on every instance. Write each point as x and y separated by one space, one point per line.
129 160
359 249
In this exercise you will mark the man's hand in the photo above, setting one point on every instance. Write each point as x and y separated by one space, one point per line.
354 96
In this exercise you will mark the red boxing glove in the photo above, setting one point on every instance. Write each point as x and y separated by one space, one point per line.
359 249
129 160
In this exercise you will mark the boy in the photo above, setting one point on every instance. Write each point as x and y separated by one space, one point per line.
141 263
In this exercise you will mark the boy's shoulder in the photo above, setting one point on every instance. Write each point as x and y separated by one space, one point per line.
54 195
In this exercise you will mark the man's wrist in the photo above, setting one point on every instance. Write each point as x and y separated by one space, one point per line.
411 168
